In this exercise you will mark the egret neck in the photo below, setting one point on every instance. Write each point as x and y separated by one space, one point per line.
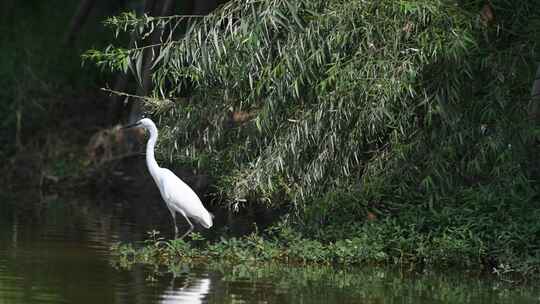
178 196
150 159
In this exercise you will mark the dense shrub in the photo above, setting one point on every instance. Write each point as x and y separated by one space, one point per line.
347 111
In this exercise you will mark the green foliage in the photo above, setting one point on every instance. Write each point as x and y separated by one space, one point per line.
385 242
410 112
390 99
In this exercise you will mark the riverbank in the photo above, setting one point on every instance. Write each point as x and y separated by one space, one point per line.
393 132
59 245
433 164
384 242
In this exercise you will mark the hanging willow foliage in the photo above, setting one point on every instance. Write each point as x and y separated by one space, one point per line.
285 101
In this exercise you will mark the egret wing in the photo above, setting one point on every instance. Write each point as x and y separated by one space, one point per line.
180 196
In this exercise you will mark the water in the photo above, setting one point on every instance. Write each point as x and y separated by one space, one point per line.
56 250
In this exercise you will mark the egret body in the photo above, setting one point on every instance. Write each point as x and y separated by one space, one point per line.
178 196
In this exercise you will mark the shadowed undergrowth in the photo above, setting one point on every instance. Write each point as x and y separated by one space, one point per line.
388 130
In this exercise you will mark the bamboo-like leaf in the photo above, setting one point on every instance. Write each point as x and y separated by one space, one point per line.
342 90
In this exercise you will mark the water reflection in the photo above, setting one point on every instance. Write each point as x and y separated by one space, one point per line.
191 291
56 250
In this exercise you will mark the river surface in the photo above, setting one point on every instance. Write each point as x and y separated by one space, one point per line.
56 250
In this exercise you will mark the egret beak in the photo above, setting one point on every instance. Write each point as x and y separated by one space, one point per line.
131 125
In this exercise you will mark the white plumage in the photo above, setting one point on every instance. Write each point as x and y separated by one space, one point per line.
178 196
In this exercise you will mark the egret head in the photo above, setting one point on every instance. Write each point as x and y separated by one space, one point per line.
146 123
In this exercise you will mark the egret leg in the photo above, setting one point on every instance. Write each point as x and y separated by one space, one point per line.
190 226
174 222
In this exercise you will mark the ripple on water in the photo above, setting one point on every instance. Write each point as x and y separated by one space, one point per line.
58 252
10 290
63 257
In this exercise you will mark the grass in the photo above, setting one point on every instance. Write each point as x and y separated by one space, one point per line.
384 242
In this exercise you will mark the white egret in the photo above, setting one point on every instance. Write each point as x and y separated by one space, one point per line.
178 196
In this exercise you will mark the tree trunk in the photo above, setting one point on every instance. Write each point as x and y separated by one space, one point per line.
159 8
163 8
85 6
534 104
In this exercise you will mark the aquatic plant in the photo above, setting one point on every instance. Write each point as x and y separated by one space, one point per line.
402 118
372 245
